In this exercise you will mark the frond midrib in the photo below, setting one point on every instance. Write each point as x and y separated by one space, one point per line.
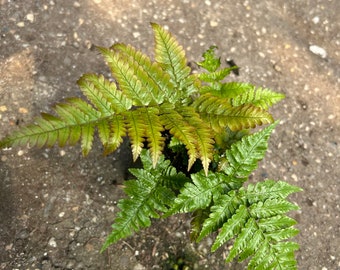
19 135
268 242
172 66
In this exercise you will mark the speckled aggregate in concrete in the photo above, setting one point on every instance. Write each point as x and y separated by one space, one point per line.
55 208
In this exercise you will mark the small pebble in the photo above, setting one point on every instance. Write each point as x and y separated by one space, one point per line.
294 177
318 51
21 24
61 214
262 54
30 17
23 110
138 266
316 19
9 247
52 242
277 68
213 23
136 34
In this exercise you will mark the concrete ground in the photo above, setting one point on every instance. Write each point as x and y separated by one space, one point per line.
56 208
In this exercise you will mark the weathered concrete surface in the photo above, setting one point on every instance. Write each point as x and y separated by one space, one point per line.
56 208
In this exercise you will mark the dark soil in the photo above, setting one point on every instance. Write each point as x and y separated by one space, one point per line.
56 207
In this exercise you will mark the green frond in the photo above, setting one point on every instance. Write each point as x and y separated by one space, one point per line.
221 211
76 121
169 177
153 133
180 129
234 89
220 113
149 90
209 103
125 74
51 122
270 189
173 179
275 223
232 227
117 132
104 132
204 136
228 90
247 241
242 117
210 62
263 98
69 114
148 196
200 193
275 256
285 255
104 94
215 76
111 132
155 80
271 207
145 198
171 56
87 133
148 165
245 154
35 134
254 242
226 139
256 225
88 113
263 258
136 128
283 234
85 116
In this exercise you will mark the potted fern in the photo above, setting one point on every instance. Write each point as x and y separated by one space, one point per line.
192 134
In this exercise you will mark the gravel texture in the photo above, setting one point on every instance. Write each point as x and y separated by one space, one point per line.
56 207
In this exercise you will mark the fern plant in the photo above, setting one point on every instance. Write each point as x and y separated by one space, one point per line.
174 118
